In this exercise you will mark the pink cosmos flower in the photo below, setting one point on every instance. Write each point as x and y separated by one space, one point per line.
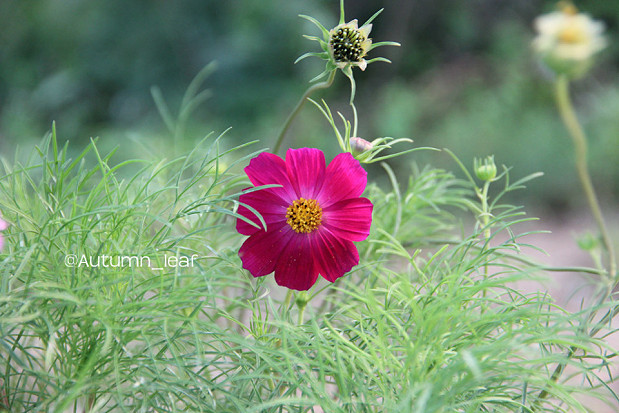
3 226
311 220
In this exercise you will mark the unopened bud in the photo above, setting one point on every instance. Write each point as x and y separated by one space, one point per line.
485 169
359 145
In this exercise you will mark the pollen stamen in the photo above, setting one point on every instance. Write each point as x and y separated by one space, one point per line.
304 215
347 44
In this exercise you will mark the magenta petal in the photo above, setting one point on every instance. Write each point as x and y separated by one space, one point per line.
349 219
3 225
306 170
296 268
334 257
266 169
345 178
261 252
268 204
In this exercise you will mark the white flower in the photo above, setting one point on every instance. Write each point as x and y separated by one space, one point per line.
568 40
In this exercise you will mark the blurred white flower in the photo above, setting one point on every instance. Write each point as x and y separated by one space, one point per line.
568 40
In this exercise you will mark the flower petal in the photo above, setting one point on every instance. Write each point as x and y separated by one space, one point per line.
296 268
334 256
349 219
365 30
306 171
261 252
267 203
345 178
266 169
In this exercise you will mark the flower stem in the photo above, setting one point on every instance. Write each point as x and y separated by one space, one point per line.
355 122
484 217
297 109
485 212
288 300
301 314
577 134
568 115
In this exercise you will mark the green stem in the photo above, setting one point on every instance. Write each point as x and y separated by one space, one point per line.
485 214
485 221
297 109
301 314
580 145
355 120
579 138
288 300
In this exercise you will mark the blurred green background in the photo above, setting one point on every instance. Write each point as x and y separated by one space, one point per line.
464 79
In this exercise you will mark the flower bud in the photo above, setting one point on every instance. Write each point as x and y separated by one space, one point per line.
485 169
302 299
568 40
359 145
588 242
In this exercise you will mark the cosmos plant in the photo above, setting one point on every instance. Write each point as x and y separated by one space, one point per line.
419 311
310 221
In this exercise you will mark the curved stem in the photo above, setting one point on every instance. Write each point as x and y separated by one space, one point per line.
297 109
580 146
355 121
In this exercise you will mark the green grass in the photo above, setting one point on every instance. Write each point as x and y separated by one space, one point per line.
430 321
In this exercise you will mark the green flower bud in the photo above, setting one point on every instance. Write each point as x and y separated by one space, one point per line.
588 242
302 299
485 169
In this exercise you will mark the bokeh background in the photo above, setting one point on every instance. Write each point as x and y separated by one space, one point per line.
464 79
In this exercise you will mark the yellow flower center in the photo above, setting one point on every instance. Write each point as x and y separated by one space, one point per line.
304 215
571 35
347 44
